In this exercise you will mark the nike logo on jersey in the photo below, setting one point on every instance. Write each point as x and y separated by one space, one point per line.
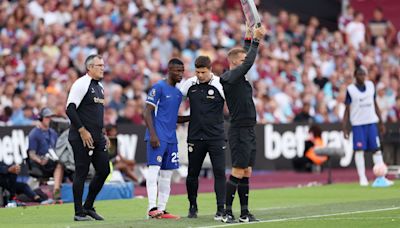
98 100
92 90
363 99
168 96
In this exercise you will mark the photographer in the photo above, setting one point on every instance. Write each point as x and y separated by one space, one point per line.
42 141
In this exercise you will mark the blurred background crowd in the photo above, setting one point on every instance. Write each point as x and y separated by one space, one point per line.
301 72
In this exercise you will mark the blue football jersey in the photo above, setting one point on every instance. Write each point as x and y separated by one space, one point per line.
166 99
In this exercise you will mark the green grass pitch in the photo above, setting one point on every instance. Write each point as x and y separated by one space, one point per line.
337 205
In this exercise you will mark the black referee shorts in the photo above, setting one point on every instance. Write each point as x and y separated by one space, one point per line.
242 143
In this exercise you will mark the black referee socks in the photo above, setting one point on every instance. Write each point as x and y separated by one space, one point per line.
231 186
243 192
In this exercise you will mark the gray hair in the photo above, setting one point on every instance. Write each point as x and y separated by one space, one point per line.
90 58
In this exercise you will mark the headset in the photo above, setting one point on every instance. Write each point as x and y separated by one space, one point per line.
41 114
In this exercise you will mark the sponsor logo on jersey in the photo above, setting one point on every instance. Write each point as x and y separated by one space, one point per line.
98 100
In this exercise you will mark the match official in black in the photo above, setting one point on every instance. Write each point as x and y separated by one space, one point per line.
85 109
241 136
206 132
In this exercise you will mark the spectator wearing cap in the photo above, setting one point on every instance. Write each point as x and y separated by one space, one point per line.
42 142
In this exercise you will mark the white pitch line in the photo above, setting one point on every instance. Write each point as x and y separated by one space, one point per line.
357 218
305 217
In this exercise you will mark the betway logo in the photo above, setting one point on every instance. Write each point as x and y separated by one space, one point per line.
13 148
291 143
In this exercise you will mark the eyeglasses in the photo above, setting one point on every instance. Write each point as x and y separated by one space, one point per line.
98 65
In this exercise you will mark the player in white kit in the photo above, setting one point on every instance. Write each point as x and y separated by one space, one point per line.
364 115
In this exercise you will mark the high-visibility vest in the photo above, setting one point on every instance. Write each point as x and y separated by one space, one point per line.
316 159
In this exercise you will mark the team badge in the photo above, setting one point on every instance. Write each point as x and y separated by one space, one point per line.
210 92
152 93
159 158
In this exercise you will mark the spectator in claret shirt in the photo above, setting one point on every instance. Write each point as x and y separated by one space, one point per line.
394 113
345 18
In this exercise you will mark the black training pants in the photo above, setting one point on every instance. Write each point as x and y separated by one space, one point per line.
197 152
82 159
9 182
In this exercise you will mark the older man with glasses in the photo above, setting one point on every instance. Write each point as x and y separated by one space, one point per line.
85 109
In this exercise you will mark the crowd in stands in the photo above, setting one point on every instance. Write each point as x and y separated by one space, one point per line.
301 72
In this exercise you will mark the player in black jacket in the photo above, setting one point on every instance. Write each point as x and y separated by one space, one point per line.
241 136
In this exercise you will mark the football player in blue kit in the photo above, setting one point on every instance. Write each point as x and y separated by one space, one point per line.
161 115
364 115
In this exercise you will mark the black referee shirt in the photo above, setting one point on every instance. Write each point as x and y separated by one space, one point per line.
88 96
206 108
238 91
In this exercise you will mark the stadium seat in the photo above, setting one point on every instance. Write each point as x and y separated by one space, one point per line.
34 171
330 152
